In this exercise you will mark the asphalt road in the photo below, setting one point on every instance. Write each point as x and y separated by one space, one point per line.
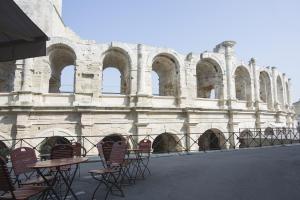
267 173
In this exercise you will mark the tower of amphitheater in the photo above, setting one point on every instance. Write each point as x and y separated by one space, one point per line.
205 92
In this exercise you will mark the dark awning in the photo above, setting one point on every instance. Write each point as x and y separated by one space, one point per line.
20 38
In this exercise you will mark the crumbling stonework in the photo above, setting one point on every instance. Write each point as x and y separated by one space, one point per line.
197 92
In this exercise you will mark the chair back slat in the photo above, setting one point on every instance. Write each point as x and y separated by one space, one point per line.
145 146
107 148
20 158
62 151
6 184
118 153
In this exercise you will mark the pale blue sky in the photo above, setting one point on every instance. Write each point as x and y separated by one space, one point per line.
268 30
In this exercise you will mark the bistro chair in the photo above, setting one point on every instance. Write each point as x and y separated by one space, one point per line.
78 150
144 148
20 158
62 151
11 193
111 173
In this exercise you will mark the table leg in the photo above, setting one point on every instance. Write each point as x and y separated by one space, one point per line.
48 183
68 183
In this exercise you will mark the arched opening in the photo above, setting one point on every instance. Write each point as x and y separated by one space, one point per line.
166 68
265 88
269 131
114 138
48 143
245 138
111 83
166 143
155 83
242 84
209 80
279 91
7 76
117 59
67 79
60 57
212 139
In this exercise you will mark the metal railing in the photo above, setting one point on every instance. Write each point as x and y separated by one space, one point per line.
170 143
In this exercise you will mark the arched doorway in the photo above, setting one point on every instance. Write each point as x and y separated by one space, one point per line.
209 80
265 91
245 138
114 138
119 60
242 84
48 143
61 57
167 69
212 139
166 143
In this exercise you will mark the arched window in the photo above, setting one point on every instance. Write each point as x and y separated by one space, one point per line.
60 57
242 84
7 76
265 88
279 91
111 83
209 80
155 83
166 68
67 79
166 143
116 72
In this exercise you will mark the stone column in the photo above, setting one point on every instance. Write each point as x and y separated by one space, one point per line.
285 100
255 83
289 92
274 80
27 74
229 51
141 70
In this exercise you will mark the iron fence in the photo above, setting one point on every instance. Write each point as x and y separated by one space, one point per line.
170 143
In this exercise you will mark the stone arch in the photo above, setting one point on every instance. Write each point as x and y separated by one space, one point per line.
245 138
209 79
242 84
265 88
118 58
279 90
60 57
7 76
167 67
166 143
212 139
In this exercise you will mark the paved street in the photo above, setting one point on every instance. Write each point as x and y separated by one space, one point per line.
267 173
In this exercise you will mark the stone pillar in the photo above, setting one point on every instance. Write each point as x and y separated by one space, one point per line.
141 71
289 93
274 80
229 51
285 100
255 84
27 74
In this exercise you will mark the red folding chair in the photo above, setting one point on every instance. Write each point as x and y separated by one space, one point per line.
20 158
111 174
144 148
11 193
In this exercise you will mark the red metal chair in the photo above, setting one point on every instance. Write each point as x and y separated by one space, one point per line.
111 174
78 149
20 158
11 193
144 148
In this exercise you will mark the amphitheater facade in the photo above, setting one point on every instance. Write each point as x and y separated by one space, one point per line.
212 91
